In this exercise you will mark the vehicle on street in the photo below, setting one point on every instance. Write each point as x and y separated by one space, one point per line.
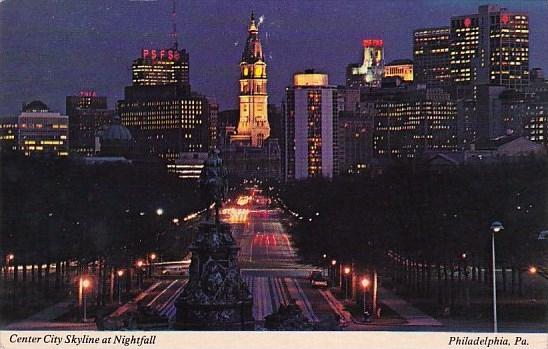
317 279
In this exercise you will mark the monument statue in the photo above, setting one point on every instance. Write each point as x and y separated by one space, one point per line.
215 297
213 183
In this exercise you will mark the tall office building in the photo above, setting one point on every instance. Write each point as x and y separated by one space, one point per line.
42 132
370 71
88 115
253 127
355 142
490 47
163 115
410 121
157 67
311 127
431 57
165 122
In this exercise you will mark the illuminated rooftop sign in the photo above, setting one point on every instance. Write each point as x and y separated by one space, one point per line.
504 18
160 55
88 94
373 43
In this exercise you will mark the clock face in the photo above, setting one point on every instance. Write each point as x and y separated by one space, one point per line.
467 22
504 19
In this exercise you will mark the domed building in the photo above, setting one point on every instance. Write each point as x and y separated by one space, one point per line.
35 107
116 140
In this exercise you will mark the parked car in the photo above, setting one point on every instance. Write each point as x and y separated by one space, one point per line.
317 279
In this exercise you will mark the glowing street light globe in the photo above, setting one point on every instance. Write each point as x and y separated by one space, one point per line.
497 226
365 283
159 211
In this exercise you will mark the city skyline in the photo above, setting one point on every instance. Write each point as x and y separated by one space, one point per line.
94 44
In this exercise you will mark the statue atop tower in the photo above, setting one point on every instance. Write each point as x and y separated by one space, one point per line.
253 127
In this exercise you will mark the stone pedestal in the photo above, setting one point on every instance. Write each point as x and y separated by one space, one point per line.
216 297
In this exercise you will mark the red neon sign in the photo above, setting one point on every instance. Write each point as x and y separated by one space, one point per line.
162 55
505 18
373 43
467 22
88 94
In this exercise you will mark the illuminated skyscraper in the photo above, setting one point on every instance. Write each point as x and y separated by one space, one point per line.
311 127
431 56
490 47
370 71
253 127
157 67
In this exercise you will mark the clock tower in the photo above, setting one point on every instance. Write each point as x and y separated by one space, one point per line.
253 127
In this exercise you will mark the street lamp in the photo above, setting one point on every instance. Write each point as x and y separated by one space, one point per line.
9 257
333 264
84 285
532 269
120 274
346 272
160 211
151 258
495 227
365 284
139 265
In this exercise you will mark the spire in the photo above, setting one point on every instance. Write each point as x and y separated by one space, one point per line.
253 50
174 26
252 25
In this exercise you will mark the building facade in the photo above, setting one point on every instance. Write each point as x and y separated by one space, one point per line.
311 127
42 132
355 142
490 47
253 127
162 113
431 57
401 68
158 67
88 114
408 122
8 134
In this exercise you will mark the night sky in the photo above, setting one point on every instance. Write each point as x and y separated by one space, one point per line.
53 48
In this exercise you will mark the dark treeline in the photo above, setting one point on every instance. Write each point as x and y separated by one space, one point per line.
427 218
58 210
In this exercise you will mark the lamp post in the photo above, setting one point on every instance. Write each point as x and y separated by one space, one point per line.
365 284
84 285
9 257
346 272
139 265
120 273
151 258
333 264
495 228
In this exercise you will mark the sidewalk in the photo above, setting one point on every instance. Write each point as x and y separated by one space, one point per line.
412 315
45 320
